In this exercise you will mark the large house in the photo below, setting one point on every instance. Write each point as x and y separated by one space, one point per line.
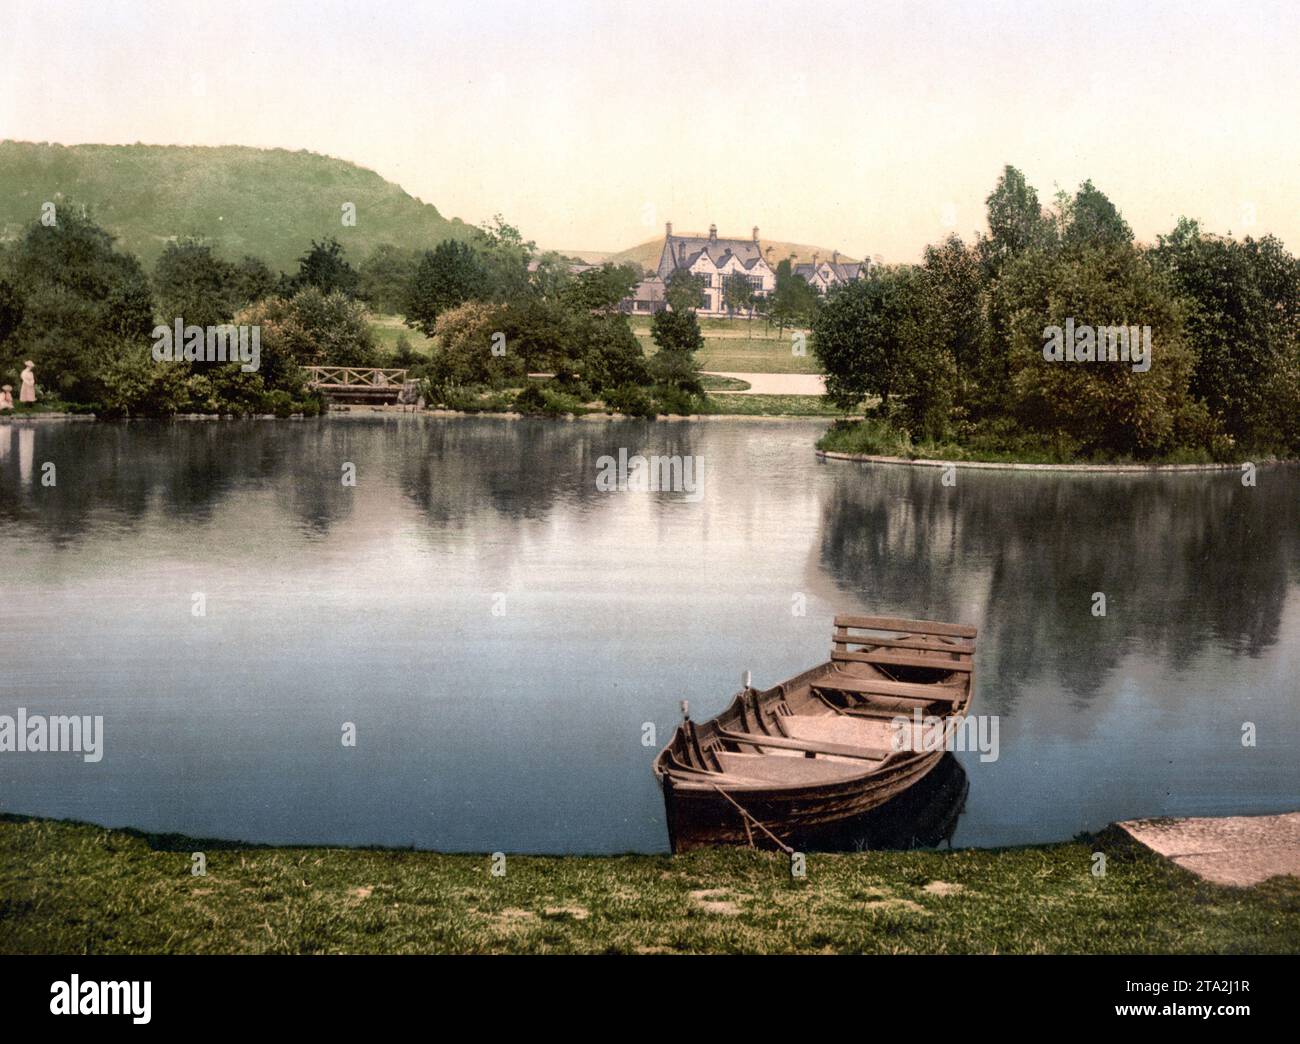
715 261
823 275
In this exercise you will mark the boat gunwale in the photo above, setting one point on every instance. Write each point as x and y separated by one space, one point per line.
893 765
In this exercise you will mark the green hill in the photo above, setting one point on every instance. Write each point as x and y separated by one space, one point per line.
267 202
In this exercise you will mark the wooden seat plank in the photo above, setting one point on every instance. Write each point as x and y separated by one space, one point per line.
883 687
784 743
842 637
888 658
775 769
869 656
892 623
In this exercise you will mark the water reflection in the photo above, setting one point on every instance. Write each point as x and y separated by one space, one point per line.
522 731
1179 558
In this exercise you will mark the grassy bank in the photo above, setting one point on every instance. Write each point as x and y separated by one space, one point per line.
875 437
75 888
44 405
547 400
770 406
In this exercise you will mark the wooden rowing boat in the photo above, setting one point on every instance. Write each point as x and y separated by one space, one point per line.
784 765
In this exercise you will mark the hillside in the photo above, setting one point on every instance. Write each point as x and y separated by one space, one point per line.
267 202
647 254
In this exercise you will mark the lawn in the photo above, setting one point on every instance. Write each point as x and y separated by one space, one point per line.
771 406
729 344
739 346
388 328
77 888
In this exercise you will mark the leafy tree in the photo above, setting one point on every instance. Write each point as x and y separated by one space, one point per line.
325 268
80 300
551 277
385 277
677 333
252 280
1100 407
1016 220
882 336
955 280
445 278
794 300
737 293
1243 313
601 289
463 356
1091 220
133 384
683 290
611 354
310 329
505 258
540 334
193 284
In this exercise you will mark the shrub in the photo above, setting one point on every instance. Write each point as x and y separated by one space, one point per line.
631 400
676 400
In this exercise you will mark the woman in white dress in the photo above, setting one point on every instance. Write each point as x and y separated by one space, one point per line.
28 392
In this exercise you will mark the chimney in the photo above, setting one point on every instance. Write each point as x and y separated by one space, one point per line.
815 257
835 257
755 235
668 229
713 233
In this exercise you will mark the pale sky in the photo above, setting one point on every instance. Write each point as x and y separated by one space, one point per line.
860 126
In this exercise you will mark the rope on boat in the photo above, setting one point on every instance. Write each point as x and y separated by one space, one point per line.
747 819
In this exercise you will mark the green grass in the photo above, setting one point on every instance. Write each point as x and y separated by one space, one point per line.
728 346
503 401
76 888
771 406
44 404
999 444
734 345
712 383
388 328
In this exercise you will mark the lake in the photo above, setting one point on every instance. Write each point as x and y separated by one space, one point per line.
500 632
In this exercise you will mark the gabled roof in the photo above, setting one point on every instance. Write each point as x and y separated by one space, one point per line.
845 271
832 271
684 251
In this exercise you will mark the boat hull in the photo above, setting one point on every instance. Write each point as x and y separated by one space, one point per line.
741 778
698 817
920 810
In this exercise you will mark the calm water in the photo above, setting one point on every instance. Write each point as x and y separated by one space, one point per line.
521 729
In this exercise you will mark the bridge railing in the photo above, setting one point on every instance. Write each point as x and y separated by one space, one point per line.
354 377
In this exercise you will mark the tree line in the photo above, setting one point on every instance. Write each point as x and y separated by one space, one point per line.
951 350
495 310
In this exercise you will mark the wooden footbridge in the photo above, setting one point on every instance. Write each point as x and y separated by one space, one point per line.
361 384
